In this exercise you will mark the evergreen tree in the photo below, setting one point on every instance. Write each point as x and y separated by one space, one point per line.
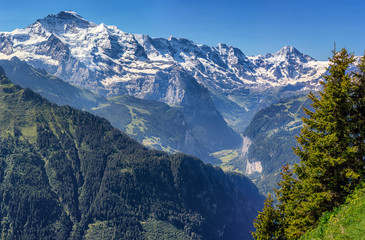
328 170
288 196
268 222
331 150
327 151
358 114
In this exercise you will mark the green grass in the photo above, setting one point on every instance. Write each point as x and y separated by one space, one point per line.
137 122
344 223
295 124
228 156
99 230
127 170
155 142
156 230
101 106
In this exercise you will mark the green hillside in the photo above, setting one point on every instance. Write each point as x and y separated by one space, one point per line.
346 222
272 132
155 124
67 174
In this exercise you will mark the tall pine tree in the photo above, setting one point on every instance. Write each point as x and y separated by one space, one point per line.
328 170
331 150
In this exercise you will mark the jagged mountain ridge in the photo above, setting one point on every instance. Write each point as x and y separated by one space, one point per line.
109 61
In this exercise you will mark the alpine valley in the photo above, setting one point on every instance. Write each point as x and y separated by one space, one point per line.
235 111
67 174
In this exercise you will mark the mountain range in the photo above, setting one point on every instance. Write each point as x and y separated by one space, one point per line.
214 82
207 95
236 111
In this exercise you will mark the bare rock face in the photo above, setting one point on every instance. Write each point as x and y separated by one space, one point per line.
111 62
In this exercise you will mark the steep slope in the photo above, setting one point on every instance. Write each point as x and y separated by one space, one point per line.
66 174
49 86
346 222
152 123
107 60
268 141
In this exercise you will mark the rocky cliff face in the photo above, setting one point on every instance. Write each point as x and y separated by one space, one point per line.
269 139
109 61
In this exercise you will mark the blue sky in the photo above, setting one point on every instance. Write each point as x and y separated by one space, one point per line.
254 26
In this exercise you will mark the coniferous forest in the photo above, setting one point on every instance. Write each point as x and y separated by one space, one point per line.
67 174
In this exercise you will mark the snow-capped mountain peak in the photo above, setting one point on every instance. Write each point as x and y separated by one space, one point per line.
73 13
287 50
232 55
289 66
115 56
63 22
292 54
107 60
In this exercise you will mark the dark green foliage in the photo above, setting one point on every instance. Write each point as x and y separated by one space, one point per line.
268 222
66 174
358 114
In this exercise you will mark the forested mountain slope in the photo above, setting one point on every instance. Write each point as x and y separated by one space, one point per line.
270 138
67 174
152 123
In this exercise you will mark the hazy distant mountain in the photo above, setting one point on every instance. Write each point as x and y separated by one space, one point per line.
67 174
49 86
269 139
152 123
109 61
